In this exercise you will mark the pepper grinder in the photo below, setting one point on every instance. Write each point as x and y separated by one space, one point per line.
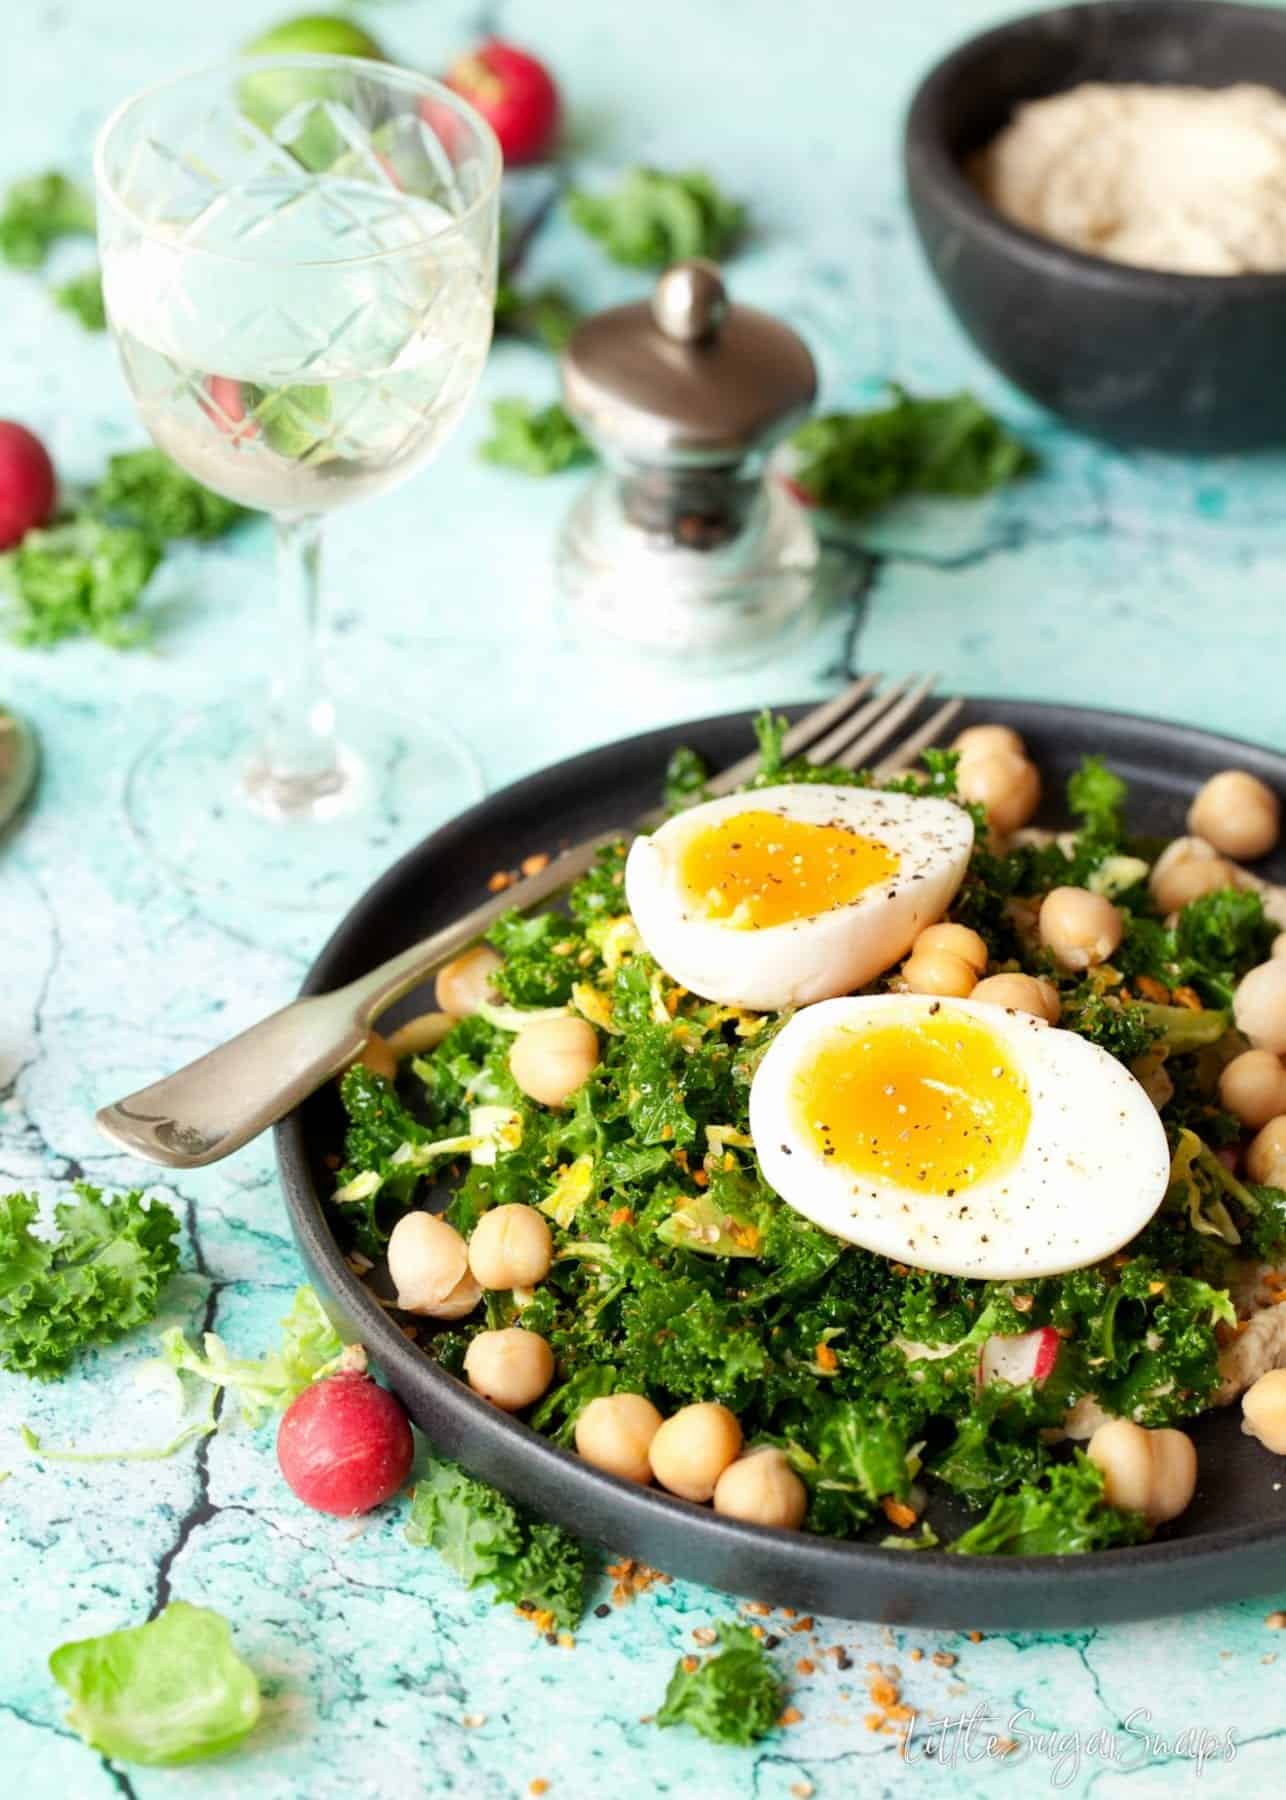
680 543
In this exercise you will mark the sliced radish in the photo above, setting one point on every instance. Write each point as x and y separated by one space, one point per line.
1018 1360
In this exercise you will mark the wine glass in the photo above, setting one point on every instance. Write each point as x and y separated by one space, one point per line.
299 269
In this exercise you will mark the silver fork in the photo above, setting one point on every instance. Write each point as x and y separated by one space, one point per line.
213 1106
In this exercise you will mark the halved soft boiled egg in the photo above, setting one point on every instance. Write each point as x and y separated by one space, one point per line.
794 894
957 1136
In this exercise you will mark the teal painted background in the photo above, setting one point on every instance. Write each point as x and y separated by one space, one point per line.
1131 581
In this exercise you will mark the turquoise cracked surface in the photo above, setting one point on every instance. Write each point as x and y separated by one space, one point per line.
1133 581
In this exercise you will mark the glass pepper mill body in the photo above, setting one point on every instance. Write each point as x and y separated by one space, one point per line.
682 543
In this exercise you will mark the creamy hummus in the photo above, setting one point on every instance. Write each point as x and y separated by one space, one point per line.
1180 178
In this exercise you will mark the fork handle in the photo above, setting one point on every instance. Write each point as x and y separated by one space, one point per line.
213 1106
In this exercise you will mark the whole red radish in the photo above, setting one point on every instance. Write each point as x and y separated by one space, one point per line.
226 407
344 1445
26 483
515 95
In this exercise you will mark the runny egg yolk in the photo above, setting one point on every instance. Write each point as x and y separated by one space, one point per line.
754 869
934 1106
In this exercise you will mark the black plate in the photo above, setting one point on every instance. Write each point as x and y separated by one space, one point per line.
1231 1542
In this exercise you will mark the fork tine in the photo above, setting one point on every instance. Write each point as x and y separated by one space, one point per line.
799 735
933 728
858 754
828 749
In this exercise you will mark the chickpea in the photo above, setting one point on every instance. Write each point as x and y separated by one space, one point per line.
985 740
424 1032
378 1055
1253 1087
1004 784
1152 1472
511 1368
551 1058
1266 1154
763 1489
465 982
1021 993
1236 813
511 1246
1263 1411
429 1263
1186 869
693 1448
615 1433
938 972
956 940
1259 1006
1080 929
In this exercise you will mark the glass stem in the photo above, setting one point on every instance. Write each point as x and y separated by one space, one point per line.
298 763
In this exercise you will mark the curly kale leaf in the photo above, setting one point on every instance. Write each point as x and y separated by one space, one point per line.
1125 1030
863 1444
534 440
1145 1337
1096 797
997 1442
734 1697
100 1276
686 775
652 218
1266 1231
600 894
82 578
1062 1513
681 1337
484 1537
378 1126
1219 937
1215 940
539 965
774 768
851 464
145 488
37 212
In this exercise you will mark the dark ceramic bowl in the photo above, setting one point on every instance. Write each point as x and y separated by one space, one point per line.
1231 1542
1181 362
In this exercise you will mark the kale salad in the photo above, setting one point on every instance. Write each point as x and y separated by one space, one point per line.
645 1272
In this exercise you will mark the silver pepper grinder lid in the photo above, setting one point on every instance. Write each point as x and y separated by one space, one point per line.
688 378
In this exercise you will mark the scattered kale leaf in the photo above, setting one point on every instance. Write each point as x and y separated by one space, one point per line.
82 578
82 296
546 316
535 440
851 464
483 1536
145 488
733 1697
652 218
37 212
97 1279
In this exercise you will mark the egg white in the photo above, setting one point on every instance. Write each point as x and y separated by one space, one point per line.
767 968
1093 1168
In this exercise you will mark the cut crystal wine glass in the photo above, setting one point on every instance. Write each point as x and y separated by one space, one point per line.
299 267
